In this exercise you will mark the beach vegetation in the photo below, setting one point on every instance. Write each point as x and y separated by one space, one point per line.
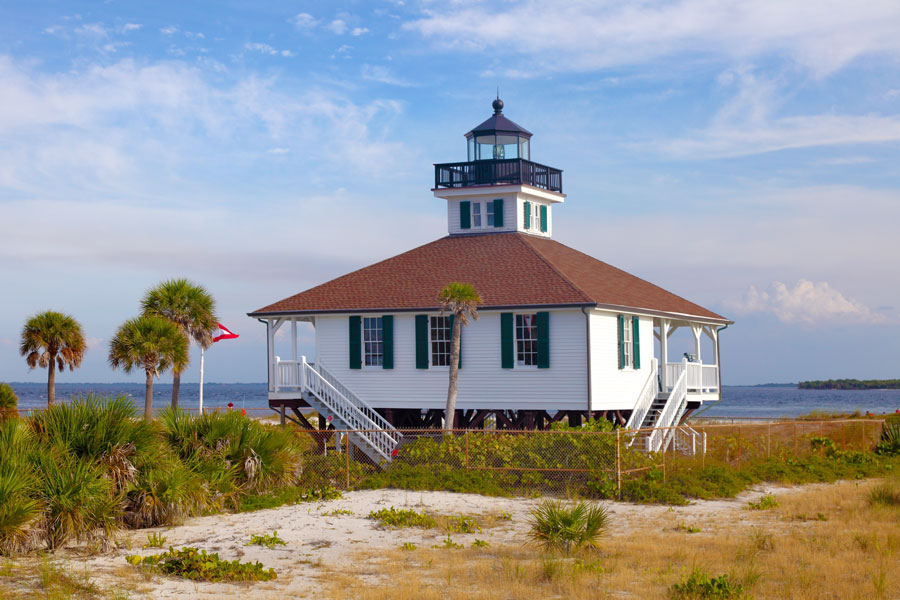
698 585
191 308
766 502
408 546
567 528
889 441
52 340
152 344
460 300
197 565
9 402
396 518
449 544
155 540
885 494
268 540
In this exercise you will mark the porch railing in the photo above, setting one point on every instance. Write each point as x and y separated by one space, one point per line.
287 374
645 400
497 172
700 378
669 416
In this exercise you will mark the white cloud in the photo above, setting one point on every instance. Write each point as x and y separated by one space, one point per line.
267 49
92 30
382 75
338 26
278 150
130 27
892 94
358 31
170 30
806 302
580 35
304 21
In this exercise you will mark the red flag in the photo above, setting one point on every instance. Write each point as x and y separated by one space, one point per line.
223 334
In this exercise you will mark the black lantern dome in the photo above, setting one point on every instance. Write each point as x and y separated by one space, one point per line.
499 138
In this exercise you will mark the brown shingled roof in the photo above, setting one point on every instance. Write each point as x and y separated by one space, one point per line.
507 269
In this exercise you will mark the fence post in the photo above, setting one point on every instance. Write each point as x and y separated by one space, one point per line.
467 449
347 459
664 463
618 463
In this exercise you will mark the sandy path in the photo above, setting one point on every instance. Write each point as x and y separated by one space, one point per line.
317 537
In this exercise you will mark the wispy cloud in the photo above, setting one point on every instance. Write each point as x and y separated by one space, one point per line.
304 21
806 302
338 26
578 35
382 75
266 49
358 31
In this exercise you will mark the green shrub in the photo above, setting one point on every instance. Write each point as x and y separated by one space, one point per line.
9 402
766 502
165 496
197 565
267 540
567 529
396 518
700 586
889 443
461 524
289 495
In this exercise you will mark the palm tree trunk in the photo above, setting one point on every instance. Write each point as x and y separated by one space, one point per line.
176 384
51 382
148 398
450 411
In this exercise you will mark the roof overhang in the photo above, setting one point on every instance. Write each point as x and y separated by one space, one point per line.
493 190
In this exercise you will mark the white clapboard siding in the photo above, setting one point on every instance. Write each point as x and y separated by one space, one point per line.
613 388
509 211
482 381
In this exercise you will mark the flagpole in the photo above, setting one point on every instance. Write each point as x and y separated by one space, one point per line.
201 380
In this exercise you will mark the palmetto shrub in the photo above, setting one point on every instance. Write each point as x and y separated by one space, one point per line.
165 496
555 526
8 402
19 510
889 444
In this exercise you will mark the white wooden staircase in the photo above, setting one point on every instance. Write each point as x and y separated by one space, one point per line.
661 412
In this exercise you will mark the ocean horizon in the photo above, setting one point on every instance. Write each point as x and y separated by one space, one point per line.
768 401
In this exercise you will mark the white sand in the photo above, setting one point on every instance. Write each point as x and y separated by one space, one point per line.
316 539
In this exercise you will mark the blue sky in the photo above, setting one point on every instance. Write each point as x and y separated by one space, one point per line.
741 154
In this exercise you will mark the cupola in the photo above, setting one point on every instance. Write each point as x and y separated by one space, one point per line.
499 188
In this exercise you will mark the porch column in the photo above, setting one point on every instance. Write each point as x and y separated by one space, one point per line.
663 351
697 330
270 344
294 339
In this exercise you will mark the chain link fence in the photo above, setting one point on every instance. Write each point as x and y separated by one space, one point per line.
575 463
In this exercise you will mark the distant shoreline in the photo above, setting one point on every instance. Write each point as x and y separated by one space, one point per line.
850 384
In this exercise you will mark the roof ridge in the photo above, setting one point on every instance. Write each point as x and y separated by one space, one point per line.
554 268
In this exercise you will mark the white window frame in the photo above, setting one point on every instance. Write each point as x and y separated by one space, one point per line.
530 342
536 217
489 217
432 341
476 215
627 342
372 349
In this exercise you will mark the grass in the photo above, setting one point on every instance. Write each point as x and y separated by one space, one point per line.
770 554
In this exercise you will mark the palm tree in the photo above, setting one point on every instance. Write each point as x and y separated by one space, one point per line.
51 339
151 343
458 299
191 308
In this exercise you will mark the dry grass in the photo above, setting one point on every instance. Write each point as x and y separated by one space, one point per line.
828 541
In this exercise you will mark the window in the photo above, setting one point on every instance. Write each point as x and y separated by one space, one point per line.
627 351
373 342
482 214
536 217
476 214
440 341
490 213
526 340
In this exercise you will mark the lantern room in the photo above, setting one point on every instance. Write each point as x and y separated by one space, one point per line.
498 138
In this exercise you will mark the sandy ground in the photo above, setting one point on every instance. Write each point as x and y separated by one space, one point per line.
318 538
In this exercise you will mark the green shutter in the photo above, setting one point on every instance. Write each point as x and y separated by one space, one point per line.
543 340
507 353
421 341
527 222
465 215
355 343
543 218
621 341
498 212
387 341
636 341
452 318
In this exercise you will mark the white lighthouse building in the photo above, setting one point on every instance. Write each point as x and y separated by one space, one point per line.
561 335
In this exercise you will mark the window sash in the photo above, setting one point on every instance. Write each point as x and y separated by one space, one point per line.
526 340
626 342
373 342
440 341
476 214
489 213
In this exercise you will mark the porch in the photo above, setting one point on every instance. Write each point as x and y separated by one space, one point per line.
702 380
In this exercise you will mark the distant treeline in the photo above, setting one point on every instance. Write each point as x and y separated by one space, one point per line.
851 384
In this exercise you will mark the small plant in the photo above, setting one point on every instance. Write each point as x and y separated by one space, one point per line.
884 494
321 494
767 502
556 527
682 526
269 541
449 544
397 518
699 586
480 544
197 565
339 512
462 524
504 516
155 540
408 546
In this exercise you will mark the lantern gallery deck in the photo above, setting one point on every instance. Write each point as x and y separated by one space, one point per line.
560 334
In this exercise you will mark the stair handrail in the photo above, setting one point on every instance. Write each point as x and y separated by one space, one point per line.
380 439
691 439
645 399
673 409
379 421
